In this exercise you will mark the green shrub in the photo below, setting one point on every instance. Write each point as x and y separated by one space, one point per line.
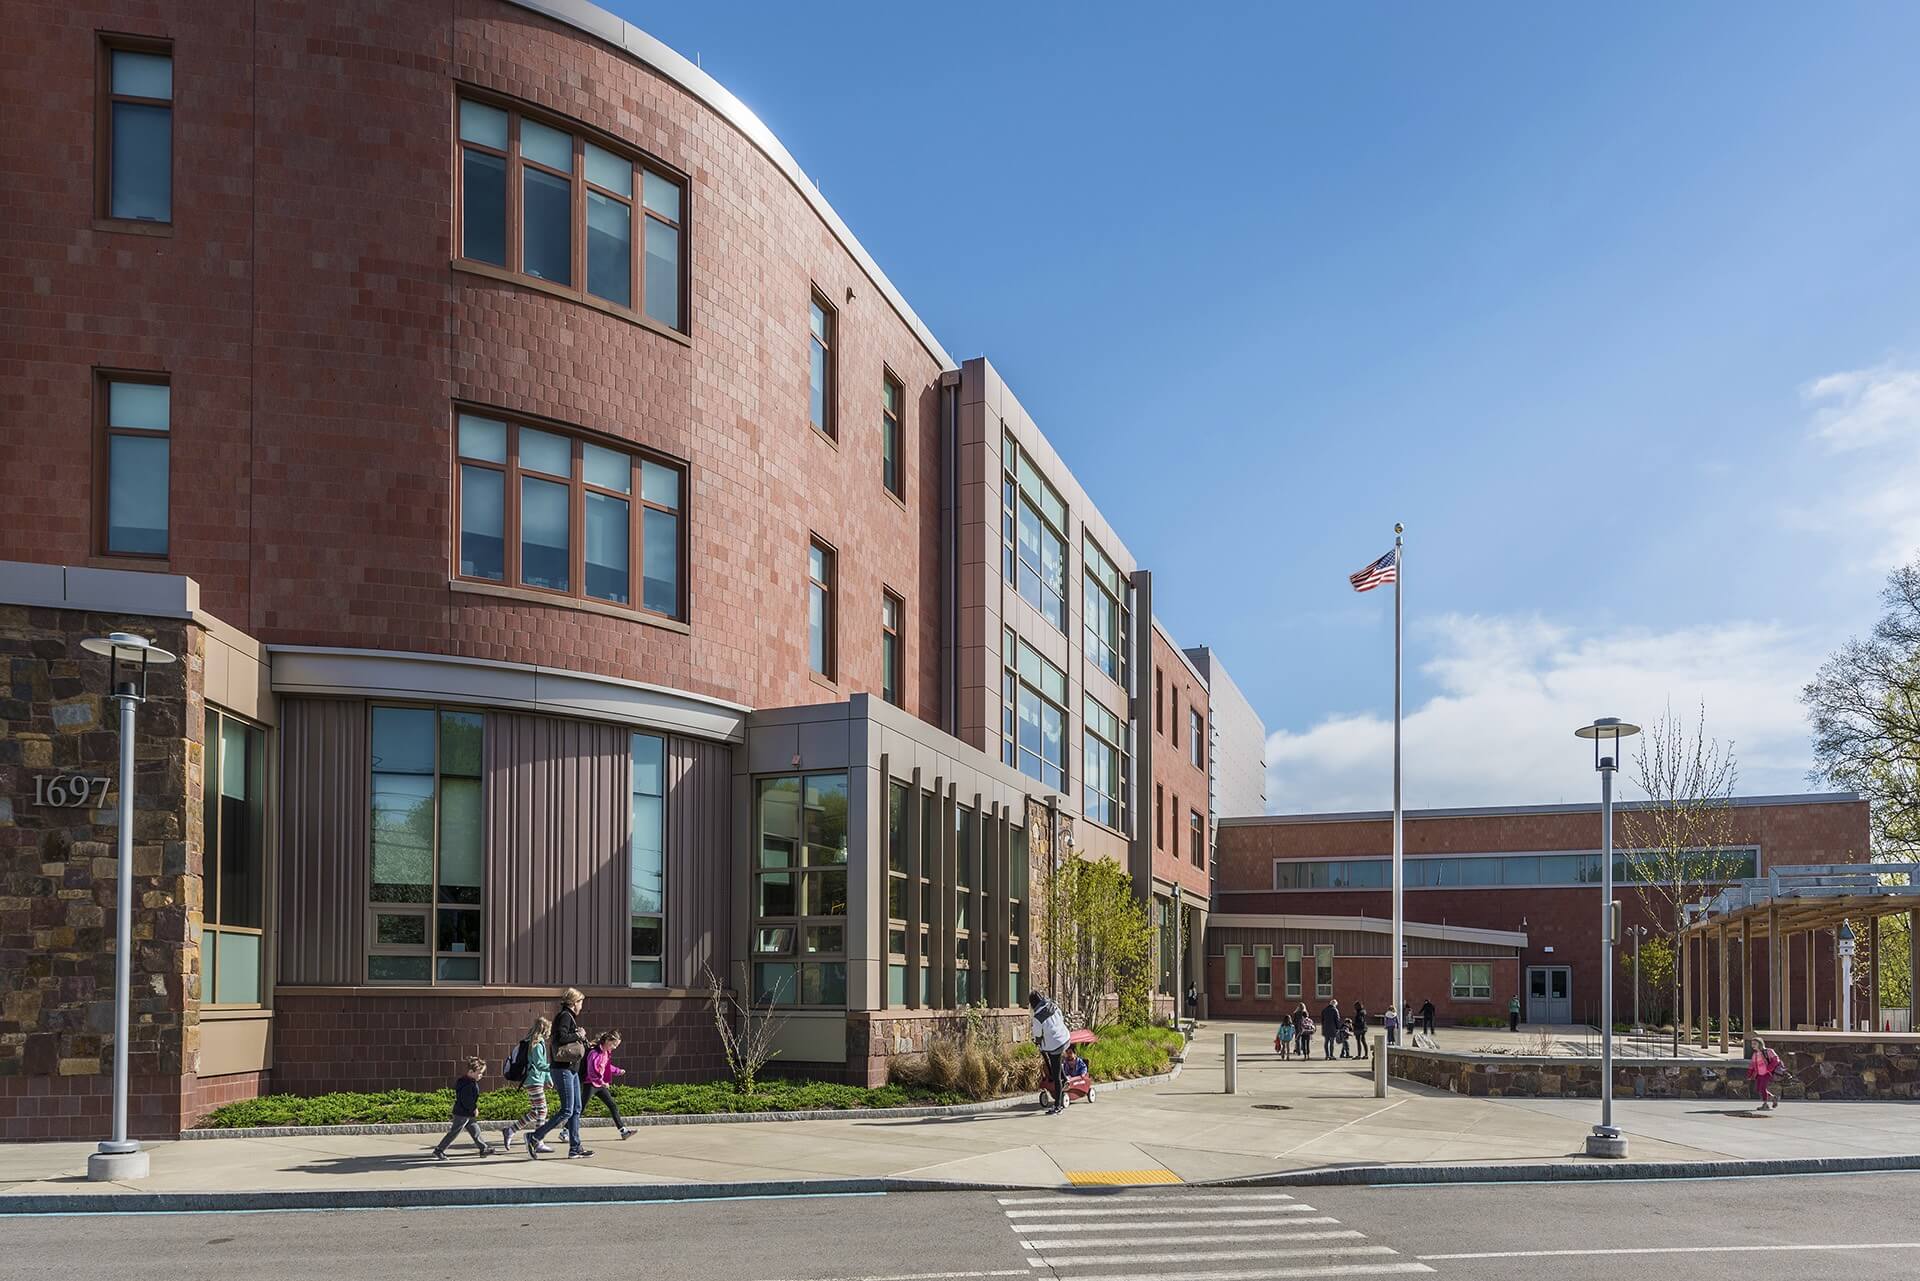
705 1097
1121 1053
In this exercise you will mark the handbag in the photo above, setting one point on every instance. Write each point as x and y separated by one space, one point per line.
570 1055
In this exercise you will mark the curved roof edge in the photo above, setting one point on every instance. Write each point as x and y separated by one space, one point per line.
617 31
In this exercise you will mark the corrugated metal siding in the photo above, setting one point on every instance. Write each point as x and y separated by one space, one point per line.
559 821
699 857
323 841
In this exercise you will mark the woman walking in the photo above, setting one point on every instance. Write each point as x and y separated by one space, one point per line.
1360 1026
1762 1067
569 1052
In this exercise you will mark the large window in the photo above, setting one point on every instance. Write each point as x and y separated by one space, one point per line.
892 464
800 891
1263 970
1292 957
1234 953
1323 970
234 860
647 890
1495 870
1034 719
1196 838
556 513
1033 524
822 626
1107 617
427 838
1107 767
136 131
891 653
136 424
1472 981
820 366
541 200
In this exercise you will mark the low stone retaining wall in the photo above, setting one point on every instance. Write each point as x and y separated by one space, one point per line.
1829 1066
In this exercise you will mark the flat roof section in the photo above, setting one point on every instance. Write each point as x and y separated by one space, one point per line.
1363 924
1502 811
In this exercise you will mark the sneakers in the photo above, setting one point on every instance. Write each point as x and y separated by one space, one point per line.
626 1133
439 1154
535 1149
578 1153
543 1147
506 1136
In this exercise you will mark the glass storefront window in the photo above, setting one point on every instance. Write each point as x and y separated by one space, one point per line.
800 890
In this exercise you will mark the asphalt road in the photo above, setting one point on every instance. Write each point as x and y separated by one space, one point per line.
1859 1226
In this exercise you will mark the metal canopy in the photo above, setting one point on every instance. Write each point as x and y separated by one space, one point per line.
1794 900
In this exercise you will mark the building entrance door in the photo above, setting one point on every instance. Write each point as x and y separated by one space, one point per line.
1549 994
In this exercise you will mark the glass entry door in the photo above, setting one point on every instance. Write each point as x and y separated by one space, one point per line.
1549 994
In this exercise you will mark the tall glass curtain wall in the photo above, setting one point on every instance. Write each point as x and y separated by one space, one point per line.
800 890
233 861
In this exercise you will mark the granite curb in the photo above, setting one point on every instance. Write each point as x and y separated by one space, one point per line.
1570 1171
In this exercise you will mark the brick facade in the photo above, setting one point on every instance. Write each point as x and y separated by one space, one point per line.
1562 924
1177 783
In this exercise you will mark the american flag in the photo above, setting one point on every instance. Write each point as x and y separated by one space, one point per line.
1384 570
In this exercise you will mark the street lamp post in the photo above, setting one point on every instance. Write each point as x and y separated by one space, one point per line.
1639 932
131 657
1606 733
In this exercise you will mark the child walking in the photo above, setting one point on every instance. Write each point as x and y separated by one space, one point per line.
539 1073
466 1110
600 1071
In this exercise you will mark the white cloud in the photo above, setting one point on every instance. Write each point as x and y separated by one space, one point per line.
1869 419
1511 691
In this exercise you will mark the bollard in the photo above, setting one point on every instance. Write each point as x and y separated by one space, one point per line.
1233 1060
1380 1063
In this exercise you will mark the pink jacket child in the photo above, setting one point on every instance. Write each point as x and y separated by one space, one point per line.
1762 1067
599 1068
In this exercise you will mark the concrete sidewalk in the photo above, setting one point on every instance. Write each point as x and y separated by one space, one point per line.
1286 1116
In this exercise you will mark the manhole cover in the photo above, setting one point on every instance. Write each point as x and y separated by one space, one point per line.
1273 1107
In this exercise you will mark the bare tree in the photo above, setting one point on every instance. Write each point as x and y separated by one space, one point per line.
1678 843
746 1031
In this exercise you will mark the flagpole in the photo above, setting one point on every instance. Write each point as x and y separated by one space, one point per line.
1399 848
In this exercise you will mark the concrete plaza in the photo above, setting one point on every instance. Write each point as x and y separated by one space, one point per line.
1284 1117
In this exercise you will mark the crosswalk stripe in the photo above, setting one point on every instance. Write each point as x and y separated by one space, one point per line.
1271 1274
1127 1212
1217 1256
1211 1238
1136 1198
1231 1221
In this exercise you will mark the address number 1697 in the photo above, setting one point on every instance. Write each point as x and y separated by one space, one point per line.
72 790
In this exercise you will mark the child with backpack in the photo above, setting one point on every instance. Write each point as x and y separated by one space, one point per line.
1283 1040
529 1065
1762 1067
597 1073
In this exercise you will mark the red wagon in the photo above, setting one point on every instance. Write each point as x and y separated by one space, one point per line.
1078 1087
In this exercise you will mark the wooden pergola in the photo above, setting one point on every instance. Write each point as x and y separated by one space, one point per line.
1772 910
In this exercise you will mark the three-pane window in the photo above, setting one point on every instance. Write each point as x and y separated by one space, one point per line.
1323 970
427 846
1033 521
1104 597
800 891
1034 718
891 471
1234 952
553 512
1196 739
136 430
820 318
820 619
891 610
1293 959
1106 763
541 200
1263 970
136 133
1197 838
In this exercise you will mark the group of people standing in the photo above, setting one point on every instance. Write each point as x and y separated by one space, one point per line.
1294 1039
556 1051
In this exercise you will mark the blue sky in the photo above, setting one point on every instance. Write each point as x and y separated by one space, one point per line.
1616 309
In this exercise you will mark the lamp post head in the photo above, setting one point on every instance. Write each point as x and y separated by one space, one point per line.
1607 731
131 656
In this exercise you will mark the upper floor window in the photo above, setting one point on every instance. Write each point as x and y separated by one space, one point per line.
1173 721
1197 838
891 609
1106 763
136 420
1107 617
1159 816
820 608
820 325
891 469
1035 695
136 130
552 512
1159 700
541 200
1033 524
1176 825
1196 738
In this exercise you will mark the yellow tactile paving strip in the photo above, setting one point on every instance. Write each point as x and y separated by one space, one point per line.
1119 1178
